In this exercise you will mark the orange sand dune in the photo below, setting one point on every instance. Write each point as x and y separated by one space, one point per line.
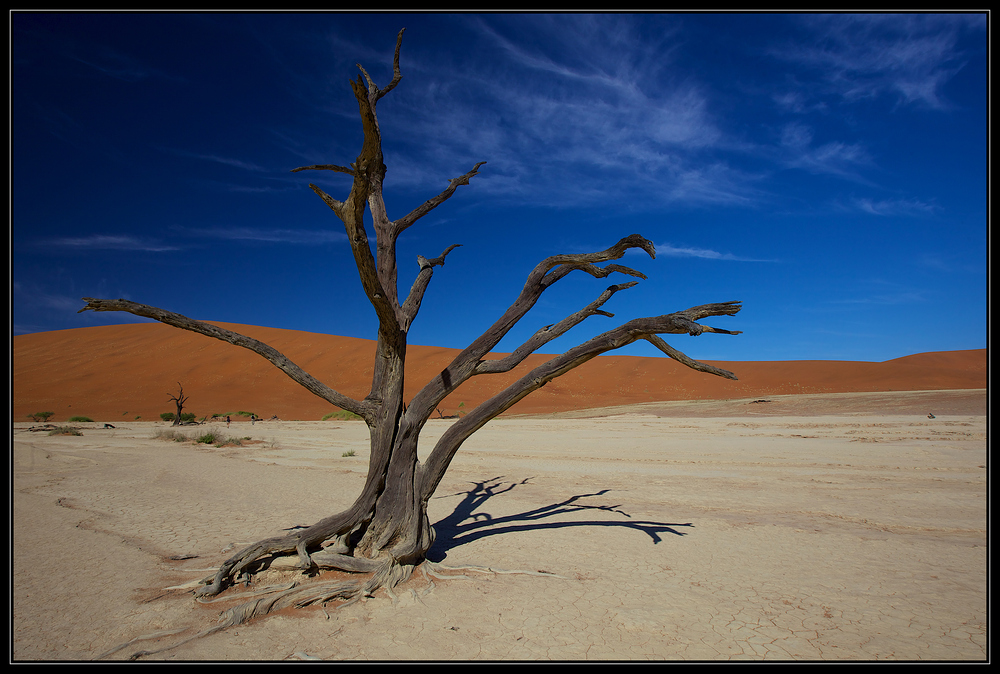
121 372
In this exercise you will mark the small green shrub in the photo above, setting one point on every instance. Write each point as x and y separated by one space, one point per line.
65 430
341 415
40 416
82 419
246 414
185 416
208 438
349 452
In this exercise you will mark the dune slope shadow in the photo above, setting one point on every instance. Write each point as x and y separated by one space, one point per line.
466 523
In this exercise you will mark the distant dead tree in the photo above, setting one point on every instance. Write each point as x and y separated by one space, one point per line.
386 532
179 401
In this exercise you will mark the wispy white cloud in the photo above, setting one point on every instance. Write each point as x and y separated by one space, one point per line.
797 102
192 235
576 111
38 307
882 292
671 250
710 184
894 207
952 263
935 262
290 236
861 56
45 299
833 158
264 189
228 161
110 242
903 297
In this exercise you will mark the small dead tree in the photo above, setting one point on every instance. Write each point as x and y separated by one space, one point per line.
386 532
179 401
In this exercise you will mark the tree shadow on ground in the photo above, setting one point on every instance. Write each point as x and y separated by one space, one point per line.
465 524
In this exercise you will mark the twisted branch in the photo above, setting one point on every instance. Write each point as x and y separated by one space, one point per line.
374 92
412 304
550 332
325 167
404 222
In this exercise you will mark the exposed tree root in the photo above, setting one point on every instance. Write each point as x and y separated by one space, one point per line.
144 637
332 531
387 575
258 603
267 590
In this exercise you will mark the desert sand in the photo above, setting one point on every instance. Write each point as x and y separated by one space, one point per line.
825 526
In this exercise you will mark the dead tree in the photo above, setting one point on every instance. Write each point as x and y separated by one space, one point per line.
179 401
386 532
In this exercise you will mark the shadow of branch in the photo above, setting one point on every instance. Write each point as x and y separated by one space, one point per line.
466 524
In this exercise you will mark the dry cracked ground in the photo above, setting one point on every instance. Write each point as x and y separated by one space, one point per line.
851 536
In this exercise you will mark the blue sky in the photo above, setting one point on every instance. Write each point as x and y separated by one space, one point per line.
830 171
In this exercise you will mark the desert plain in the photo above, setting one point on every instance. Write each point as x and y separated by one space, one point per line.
756 524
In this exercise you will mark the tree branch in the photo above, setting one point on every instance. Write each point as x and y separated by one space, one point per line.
550 332
412 304
614 253
336 206
325 167
404 222
378 275
278 359
658 342
540 279
374 92
386 306
437 261
180 398
597 272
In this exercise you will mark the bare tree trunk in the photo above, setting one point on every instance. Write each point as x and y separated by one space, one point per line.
386 530
179 401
